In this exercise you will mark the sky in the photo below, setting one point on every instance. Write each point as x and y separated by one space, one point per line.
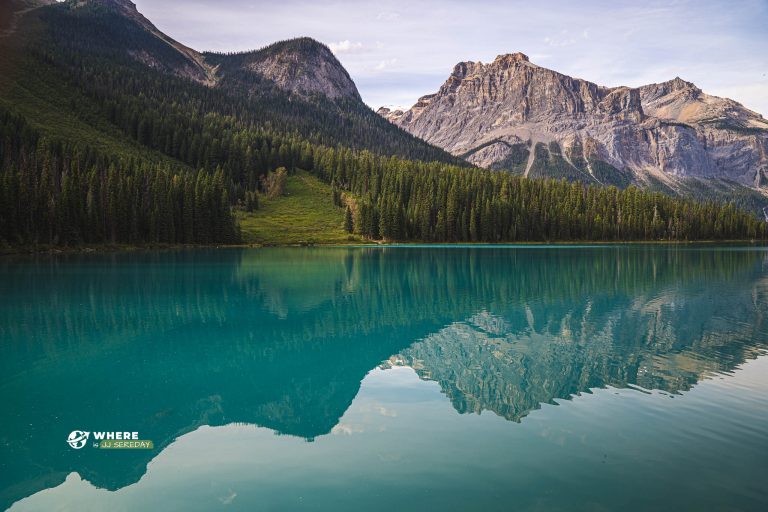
400 50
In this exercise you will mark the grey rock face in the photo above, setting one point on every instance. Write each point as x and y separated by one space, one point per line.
659 132
302 66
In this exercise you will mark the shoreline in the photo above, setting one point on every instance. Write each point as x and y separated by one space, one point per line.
127 248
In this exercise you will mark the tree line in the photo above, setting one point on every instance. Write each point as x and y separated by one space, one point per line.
432 202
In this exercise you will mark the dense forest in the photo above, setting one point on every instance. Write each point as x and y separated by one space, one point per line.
54 193
406 200
188 154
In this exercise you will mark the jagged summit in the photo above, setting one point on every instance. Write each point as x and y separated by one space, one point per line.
497 114
509 58
680 101
505 61
678 83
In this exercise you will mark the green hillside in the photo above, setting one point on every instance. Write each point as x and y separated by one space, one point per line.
304 215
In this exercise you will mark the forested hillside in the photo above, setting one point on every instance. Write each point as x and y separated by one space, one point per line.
63 194
114 133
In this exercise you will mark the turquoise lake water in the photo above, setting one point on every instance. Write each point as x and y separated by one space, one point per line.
400 378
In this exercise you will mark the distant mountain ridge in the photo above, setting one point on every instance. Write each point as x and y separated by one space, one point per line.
515 115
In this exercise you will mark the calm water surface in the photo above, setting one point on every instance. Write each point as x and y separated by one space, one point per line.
515 378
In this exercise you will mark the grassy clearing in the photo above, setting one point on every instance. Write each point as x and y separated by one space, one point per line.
305 214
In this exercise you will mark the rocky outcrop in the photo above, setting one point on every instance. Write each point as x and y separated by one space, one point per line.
734 137
655 134
303 67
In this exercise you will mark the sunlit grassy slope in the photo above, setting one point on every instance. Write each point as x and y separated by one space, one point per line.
305 214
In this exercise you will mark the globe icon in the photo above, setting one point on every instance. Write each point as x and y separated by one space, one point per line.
77 439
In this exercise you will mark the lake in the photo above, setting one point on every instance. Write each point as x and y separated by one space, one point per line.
625 377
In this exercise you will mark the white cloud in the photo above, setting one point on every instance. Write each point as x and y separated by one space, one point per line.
347 429
561 40
345 46
385 64
384 411
227 500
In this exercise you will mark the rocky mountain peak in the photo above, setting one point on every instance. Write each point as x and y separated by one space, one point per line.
511 58
467 69
678 84
390 114
302 66
464 69
511 114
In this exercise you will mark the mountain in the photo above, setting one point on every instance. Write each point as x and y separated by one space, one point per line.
302 67
91 88
512 114
292 86
113 132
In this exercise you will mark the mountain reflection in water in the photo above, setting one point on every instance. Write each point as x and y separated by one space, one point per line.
166 342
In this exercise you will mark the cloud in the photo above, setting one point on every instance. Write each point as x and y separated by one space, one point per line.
559 43
347 429
345 46
384 411
385 64
562 39
227 500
